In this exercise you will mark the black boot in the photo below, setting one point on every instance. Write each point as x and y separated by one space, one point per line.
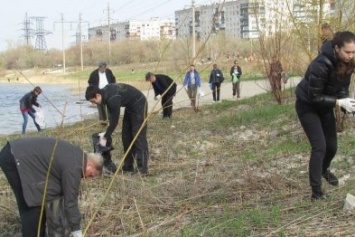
331 178
142 163
317 193
108 164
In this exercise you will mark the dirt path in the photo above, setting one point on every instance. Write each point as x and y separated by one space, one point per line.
247 88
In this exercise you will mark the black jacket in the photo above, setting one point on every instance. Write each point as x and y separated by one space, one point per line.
94 77
239 70
33 155
216 76
28 100
162 83
321 86
120 95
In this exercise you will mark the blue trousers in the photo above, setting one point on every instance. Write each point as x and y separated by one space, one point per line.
25 121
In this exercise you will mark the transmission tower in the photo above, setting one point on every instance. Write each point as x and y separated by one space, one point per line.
28 32
40 33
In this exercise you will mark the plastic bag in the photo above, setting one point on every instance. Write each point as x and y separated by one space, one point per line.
200 92
39 117
235 78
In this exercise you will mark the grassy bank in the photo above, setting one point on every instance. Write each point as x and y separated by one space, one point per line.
237 168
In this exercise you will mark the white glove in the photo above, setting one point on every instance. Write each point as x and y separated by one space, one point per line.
77 233
102 140
348 104
201 93
185 86
157 97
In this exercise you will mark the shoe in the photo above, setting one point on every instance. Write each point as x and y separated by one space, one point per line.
143 173
238 96
317 194
331 178
127 169
110 166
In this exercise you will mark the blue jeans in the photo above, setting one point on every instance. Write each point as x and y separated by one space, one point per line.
25 121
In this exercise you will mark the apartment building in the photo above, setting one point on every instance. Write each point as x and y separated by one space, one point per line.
152 29
245 18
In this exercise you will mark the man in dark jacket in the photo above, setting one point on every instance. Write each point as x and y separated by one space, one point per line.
164 87
216 78
100 77
27 163
134 125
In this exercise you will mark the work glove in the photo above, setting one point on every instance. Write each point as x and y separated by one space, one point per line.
201 93
102 140
185 86
158 97
77 233
348 104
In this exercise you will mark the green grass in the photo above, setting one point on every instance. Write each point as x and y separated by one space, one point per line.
237 168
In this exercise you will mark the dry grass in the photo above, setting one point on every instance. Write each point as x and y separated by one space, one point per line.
233 169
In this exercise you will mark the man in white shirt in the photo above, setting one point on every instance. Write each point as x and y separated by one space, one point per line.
100 77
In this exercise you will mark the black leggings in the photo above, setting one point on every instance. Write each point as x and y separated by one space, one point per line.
320 128
29 215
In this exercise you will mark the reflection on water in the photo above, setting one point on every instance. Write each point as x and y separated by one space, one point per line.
56 101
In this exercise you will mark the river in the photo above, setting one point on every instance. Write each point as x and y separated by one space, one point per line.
55 100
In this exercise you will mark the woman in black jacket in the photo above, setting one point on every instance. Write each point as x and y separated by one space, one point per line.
26 107
325 84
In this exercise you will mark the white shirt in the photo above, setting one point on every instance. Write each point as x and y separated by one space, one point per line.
102 80
192 78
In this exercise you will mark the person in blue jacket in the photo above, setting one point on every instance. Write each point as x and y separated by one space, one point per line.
192 82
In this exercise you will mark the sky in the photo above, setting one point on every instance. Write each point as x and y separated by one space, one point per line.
93 13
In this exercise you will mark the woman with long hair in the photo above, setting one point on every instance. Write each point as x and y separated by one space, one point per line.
26 107
325 85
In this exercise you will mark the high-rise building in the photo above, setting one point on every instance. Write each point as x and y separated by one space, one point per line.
246 18
152 29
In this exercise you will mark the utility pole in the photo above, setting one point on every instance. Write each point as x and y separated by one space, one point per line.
40 33
193 30
81 44
109 32
80 22
63 47
28 32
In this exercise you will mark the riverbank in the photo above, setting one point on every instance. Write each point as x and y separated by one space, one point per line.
236 168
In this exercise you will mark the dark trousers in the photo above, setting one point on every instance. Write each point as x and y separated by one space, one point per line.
29 215
133 119
320 128
236 88
167 104
192 93
216 90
